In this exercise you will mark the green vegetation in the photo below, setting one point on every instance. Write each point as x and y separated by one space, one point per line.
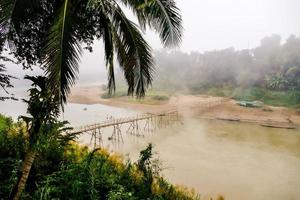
42 127
270 97
74 172
50 34
160 98
153 97
120 92
5 123
67 27
269 72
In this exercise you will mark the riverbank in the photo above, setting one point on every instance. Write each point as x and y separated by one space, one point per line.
225 108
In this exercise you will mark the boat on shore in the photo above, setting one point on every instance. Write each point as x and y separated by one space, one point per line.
276 125
250 104
229 119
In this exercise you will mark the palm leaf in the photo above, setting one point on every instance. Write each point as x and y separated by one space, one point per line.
12 12
6 13
134 54
109 56
106 29
164 16
62 53
161 15
7 8
122 36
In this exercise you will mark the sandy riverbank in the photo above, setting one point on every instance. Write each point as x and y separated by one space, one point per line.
191 105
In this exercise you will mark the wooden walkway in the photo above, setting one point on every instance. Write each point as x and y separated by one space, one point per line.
136 126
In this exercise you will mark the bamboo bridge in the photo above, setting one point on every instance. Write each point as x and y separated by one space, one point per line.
139 125
136 126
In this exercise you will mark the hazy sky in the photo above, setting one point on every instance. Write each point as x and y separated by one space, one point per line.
215 24
209 25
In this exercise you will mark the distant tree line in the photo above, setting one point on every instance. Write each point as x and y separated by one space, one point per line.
273 65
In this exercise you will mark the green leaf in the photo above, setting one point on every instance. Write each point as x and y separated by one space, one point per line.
62 53
162 16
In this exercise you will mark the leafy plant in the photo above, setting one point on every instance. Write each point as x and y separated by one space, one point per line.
42 126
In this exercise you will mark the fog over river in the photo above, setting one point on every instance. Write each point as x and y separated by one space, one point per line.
236 160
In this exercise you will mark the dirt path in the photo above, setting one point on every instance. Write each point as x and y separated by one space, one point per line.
192 105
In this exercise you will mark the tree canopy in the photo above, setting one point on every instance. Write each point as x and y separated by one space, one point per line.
52 34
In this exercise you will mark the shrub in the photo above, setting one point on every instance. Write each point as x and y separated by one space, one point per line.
160 98
74 172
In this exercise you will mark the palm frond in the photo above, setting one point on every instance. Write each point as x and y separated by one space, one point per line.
12 12
7 8
37 81
6 12
122 36
126 64
62 52
134 54
161 15
108 46
103 10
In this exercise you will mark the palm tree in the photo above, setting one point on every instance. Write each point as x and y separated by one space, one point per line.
52 33
42 126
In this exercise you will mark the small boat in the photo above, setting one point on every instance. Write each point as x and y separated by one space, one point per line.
229 119
251 104
85 109
273 125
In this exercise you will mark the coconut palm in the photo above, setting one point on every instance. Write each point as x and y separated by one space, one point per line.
42 126
52 34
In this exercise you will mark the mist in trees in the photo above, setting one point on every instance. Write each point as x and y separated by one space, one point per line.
275 64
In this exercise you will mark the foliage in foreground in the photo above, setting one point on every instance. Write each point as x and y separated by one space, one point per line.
74 172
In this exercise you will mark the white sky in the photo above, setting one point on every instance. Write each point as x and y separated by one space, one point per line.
209 25
216 24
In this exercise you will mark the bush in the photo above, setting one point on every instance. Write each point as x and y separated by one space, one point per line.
121 93
270 97
160 98
287 98
75 172
100 175
12 150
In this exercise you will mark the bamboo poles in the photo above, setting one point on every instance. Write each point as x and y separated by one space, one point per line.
137 126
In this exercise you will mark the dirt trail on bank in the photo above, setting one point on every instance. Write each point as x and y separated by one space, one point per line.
198 105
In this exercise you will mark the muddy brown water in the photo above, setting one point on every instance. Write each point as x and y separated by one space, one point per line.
237 160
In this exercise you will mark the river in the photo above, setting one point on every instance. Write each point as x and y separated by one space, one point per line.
237 160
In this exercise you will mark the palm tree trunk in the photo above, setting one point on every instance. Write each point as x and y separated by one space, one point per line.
27 163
